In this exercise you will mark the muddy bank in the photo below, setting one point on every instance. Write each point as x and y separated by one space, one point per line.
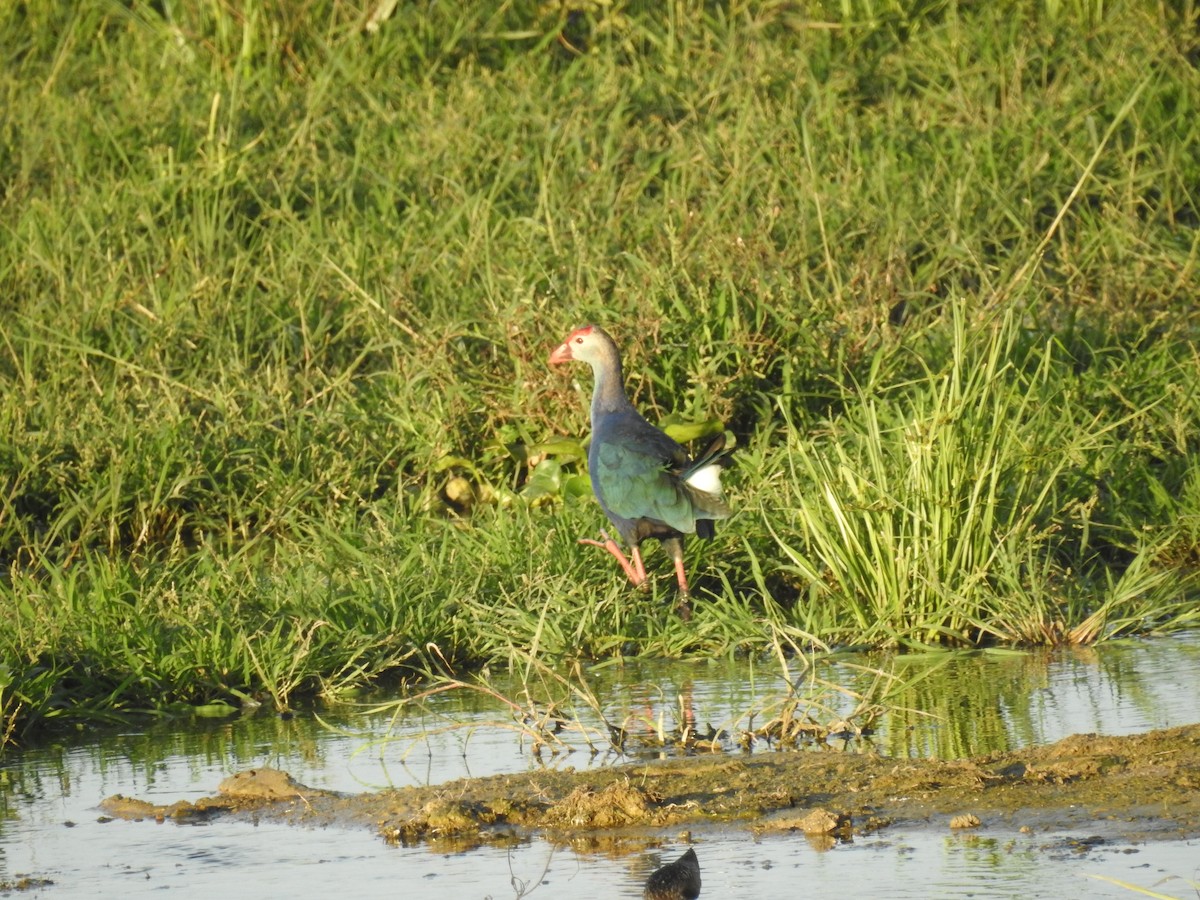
1135 787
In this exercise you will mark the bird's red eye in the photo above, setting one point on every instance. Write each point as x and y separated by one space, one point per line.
579 340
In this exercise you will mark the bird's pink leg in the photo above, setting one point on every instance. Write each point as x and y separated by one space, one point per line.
639 567
634 571
683 604
680 576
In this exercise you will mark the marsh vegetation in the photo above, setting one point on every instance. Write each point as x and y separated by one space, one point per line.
277 292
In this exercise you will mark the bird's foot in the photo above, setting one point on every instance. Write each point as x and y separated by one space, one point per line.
633 570
683 606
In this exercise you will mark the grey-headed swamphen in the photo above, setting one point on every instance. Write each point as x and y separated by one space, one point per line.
646 483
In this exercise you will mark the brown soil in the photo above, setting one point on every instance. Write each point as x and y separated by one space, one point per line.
1137 787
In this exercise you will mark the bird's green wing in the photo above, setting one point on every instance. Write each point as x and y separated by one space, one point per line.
638 485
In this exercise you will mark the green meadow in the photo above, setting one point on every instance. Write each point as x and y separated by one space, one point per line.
278 282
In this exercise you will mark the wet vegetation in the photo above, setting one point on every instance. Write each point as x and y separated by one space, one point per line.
278 281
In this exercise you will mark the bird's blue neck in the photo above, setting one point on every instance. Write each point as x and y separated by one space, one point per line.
608 394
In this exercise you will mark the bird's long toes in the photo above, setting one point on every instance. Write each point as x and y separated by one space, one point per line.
605 541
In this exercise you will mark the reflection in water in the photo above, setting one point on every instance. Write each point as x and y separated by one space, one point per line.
944 705
964 704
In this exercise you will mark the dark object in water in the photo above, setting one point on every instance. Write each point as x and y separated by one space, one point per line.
678 881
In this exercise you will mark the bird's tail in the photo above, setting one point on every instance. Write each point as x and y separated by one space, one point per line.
702 479
704 472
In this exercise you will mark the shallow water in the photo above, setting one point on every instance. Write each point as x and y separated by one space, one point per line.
50 827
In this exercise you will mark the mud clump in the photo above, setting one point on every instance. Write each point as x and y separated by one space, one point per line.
131 809
262 784
248 790
617 805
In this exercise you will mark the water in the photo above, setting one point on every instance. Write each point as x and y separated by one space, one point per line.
50 827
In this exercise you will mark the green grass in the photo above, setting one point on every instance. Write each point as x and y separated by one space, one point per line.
963 506
276 296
